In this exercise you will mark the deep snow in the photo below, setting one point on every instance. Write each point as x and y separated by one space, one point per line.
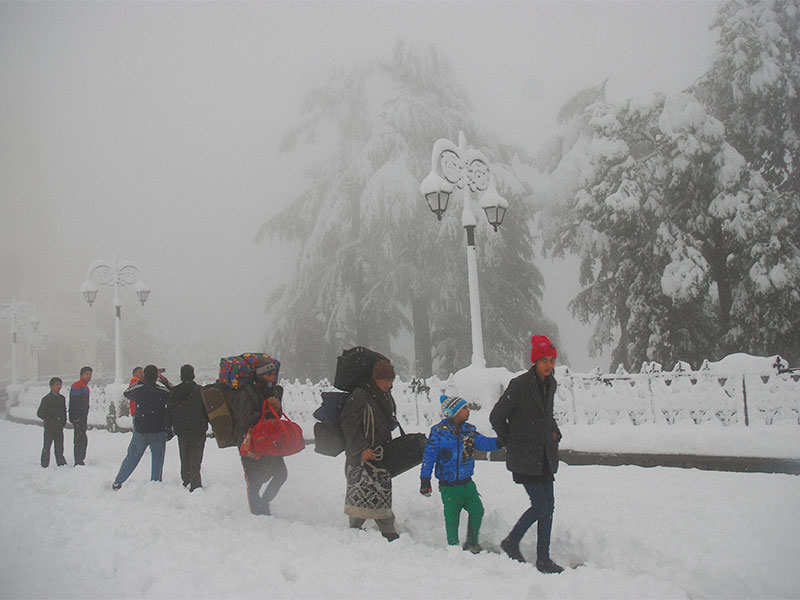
659 533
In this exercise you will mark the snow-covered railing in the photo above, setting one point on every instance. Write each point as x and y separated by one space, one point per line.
739 390
668 397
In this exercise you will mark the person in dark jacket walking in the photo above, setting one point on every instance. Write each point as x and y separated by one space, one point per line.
190 423
523 420
53 411
79 414
367 421
450 449
249 404
150 427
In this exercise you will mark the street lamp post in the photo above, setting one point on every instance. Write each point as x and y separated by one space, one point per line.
17 312
466 169
117 274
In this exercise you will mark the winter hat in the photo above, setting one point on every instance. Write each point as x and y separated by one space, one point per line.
451 405
383 369
187 373
541 346
266 364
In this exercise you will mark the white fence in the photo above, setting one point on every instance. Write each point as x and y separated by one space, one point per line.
707 395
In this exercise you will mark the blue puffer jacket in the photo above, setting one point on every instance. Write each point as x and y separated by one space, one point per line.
450 448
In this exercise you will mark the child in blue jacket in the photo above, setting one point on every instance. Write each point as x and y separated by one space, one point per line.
450 447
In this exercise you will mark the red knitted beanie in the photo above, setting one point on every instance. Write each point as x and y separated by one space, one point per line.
541 346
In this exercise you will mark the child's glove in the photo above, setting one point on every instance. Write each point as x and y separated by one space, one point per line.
425 486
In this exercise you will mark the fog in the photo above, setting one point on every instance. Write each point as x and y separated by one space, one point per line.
151 131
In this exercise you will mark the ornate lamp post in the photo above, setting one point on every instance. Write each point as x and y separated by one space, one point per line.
17 313
467 169
117 274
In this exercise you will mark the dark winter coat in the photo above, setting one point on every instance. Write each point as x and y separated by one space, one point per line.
151 407
53 410
367 421
79 402
247 403
523 420
186 411
450 448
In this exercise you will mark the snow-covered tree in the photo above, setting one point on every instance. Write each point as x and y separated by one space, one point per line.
372 259
753 87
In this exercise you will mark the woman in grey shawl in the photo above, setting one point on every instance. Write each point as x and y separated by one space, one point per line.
367 420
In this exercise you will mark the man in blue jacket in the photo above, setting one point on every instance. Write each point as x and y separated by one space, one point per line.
450 448
150 426
79 414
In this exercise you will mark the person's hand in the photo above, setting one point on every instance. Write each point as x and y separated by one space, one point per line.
368 454
425 486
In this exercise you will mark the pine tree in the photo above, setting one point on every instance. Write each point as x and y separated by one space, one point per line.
753 89
373 261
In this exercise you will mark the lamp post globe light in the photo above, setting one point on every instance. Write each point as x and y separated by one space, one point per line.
117 274
467 169
21 315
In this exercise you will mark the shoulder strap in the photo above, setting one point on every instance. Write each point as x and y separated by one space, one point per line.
390 418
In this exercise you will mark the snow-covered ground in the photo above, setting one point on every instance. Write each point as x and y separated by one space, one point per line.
638 533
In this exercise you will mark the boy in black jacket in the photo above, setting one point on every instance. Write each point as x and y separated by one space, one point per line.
53 411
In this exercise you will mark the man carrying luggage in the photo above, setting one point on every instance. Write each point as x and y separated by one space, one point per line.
247 412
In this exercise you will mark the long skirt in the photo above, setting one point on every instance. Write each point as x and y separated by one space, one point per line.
369 492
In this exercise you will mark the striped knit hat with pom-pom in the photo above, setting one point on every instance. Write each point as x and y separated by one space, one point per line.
451 405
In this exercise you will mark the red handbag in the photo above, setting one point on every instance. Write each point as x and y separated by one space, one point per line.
274 437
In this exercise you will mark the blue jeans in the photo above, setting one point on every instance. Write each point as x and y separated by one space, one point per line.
541 510
139 443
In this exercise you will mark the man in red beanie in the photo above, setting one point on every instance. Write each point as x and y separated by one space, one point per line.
523 420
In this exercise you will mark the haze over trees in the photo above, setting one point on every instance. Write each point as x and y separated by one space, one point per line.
683 208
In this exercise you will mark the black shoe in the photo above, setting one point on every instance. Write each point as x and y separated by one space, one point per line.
81 463
390 537
548 566
115 486
474 548
511 548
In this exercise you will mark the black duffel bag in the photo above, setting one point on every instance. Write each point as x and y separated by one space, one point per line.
354 366
403 453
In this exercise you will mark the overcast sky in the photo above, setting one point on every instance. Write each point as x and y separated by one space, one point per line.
151 130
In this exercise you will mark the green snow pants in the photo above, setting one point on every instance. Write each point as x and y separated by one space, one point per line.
455 499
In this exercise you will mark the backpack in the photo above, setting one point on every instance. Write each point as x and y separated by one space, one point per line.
354 366
236 371
328 435
217 402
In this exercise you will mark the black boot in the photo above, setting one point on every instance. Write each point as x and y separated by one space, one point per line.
391 536
473 547
511 548
545 565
